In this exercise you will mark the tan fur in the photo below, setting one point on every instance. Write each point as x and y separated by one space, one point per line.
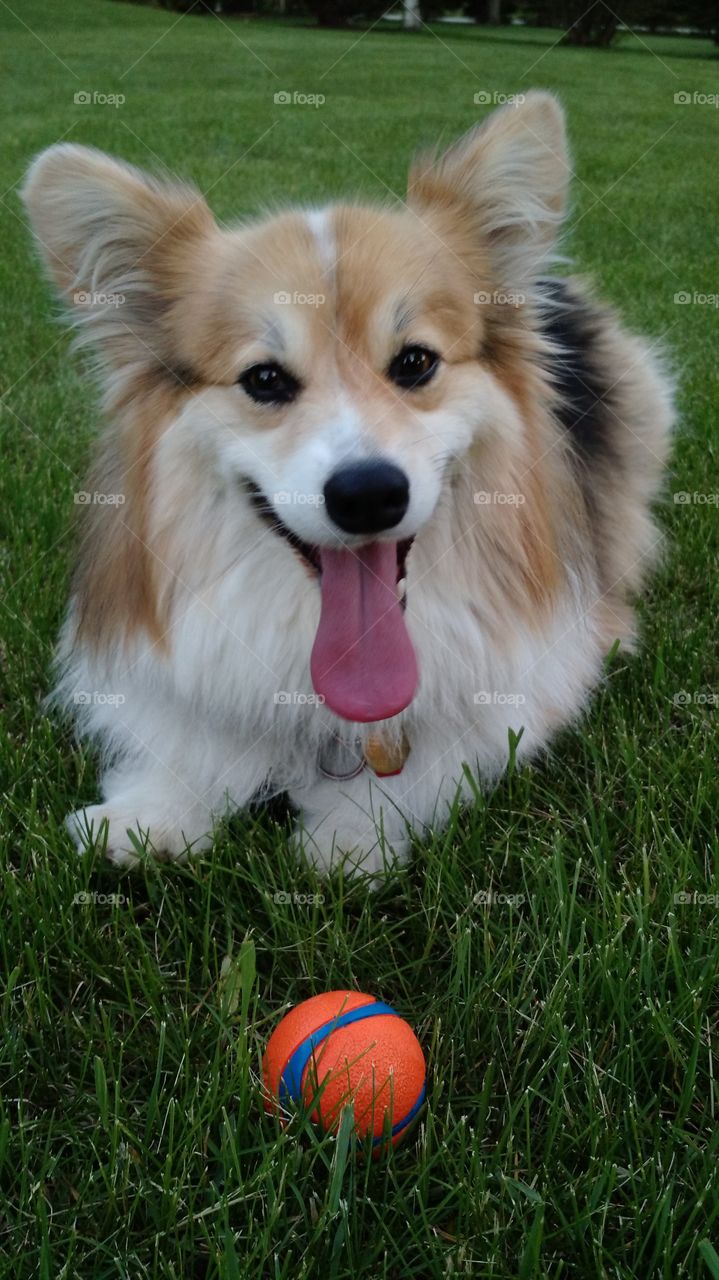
198 588
179 576
425 262
119 570
534 539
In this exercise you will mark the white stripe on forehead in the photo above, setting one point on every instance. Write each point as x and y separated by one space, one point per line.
319 222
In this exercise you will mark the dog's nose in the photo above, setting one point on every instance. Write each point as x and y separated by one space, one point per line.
367 497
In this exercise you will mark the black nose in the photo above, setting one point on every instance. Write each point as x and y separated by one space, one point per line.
367 497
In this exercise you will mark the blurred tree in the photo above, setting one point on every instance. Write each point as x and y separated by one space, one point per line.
597 24
593 25
491 11
703 16
337 13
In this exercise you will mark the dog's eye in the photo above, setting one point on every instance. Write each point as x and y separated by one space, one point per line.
413 367
269 384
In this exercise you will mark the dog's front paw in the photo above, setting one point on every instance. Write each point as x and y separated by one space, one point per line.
125 837
359 849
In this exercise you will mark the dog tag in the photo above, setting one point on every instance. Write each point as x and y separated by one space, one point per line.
340 760
385 755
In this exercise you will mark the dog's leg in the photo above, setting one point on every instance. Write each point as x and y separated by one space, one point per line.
366 822
153 812
353 822
170 805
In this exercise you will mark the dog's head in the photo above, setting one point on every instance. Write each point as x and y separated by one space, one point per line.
332 363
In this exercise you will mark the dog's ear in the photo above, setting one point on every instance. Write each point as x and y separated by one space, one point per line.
503 186
118 244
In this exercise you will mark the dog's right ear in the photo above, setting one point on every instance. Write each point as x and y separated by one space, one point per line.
503 185
118 244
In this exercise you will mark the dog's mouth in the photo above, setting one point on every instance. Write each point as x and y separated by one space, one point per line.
363 662
267 512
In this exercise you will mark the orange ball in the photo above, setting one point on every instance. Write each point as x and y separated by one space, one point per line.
342 1047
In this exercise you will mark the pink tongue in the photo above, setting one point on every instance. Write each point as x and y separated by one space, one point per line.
362 660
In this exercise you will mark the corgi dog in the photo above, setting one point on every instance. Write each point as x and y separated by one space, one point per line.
373 494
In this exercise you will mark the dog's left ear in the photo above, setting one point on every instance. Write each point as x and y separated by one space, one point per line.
502 188
119 245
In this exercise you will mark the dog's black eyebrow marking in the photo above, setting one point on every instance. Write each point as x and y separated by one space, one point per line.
184 375
571 325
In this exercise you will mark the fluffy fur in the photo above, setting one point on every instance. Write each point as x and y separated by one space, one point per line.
533 458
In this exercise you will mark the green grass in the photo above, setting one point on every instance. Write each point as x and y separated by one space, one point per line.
571 1125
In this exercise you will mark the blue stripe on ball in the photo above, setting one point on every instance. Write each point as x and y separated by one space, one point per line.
291 1079
402 1124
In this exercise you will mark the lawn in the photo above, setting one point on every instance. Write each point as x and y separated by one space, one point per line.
570 1022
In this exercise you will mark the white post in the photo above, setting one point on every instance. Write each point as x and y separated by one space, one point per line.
411 17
